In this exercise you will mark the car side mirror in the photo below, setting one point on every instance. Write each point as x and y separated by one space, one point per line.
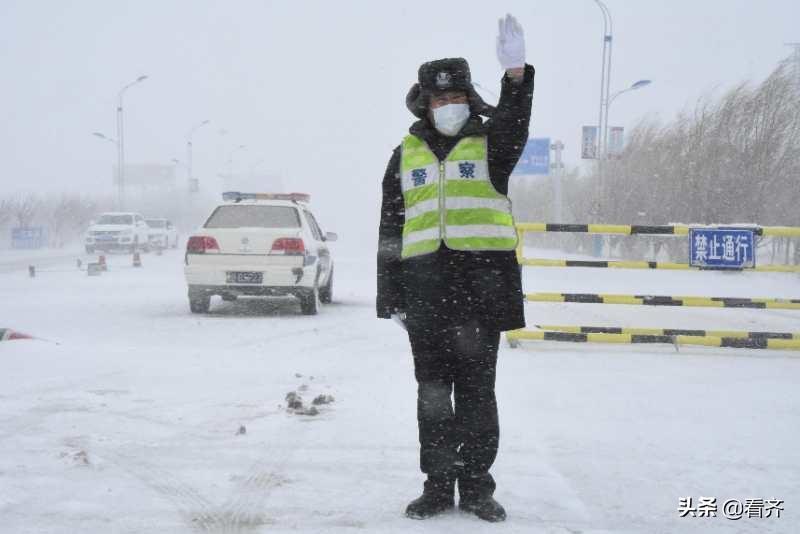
331 236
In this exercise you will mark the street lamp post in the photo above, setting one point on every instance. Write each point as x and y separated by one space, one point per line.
634 87
121 141
605 80
189 175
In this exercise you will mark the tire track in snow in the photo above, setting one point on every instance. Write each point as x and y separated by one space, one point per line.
196 510
244 509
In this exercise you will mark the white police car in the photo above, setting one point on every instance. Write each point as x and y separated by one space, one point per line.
125 231
264 244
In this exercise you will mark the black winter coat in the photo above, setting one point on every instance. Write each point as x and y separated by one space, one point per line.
449 287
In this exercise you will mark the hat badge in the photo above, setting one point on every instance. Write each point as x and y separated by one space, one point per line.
443 80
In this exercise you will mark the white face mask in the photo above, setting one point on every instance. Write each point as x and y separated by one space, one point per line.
450 118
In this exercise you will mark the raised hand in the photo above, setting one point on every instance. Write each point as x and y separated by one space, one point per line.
510 43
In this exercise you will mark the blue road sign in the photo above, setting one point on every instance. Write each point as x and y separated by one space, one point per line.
28 238
535 157
722 248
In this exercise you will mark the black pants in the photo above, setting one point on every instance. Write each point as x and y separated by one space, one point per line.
457 439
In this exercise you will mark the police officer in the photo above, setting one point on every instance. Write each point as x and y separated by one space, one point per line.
447 268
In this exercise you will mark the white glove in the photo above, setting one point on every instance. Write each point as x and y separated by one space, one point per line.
510 43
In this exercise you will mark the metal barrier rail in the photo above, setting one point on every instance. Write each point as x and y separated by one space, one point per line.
515 336
634 229
714 338
668 332
666 300
538 262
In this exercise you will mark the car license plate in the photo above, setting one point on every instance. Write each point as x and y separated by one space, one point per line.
245 278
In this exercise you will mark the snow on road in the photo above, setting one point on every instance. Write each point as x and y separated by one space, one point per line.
127 419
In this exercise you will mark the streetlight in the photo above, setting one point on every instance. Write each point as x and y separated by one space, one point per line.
634 87
189 152
106 138
121 141
605 82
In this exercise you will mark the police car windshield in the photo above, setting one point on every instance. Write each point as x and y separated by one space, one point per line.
237 216
156 223
115 219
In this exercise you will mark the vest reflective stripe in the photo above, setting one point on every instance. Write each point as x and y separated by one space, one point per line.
453 200
420 194
455 203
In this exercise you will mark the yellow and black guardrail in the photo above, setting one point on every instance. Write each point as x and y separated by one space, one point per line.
537 262
712 338
626 229
668 332
634 229
515 336
666 300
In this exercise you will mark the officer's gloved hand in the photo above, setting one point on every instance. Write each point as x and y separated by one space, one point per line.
510 43
400 318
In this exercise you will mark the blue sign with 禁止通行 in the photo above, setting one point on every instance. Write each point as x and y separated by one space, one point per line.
535 157
722 248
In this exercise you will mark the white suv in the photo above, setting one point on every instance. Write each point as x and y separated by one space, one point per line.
162 233
260 244
124 231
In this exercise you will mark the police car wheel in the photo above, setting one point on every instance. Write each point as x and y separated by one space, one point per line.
90 250
309 302
326 293
199 303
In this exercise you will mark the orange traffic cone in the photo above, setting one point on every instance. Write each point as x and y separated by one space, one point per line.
137 259
6 334
101 260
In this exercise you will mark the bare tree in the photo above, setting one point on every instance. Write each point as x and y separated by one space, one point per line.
24 209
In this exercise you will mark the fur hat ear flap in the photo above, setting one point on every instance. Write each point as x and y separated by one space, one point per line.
476 104
416 102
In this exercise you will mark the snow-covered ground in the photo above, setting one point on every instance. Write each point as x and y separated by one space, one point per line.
127 419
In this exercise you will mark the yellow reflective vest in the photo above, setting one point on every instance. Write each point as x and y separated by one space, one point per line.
452 200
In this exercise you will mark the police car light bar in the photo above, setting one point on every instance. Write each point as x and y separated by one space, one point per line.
236 196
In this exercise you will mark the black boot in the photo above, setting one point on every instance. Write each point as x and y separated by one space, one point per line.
475 491
485 508
437 497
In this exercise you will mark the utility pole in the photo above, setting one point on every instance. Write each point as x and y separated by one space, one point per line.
121 142
605 83
190 179
557 177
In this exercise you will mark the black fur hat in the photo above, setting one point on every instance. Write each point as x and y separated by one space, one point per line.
449 74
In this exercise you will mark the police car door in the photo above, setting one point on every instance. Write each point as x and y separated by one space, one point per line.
320 247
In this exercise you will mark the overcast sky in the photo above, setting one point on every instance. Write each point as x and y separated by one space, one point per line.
316 89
